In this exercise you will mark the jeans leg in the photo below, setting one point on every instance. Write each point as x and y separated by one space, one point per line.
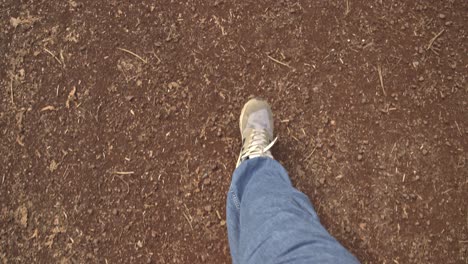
269 221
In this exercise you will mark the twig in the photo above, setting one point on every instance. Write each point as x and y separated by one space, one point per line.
11 92
134 54
312 153
188 220
381 80
279 62
123 172
71 96
459 131
347 8
55 57
447 191
48 108
431 42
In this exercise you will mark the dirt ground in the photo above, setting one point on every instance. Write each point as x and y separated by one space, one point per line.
119 133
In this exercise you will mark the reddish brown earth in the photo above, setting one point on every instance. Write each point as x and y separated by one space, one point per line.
118 124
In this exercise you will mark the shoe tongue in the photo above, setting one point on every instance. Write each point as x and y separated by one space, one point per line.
260 120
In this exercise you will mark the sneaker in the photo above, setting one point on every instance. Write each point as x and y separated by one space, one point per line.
256 126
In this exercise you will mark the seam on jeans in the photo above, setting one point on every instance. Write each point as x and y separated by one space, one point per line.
235 200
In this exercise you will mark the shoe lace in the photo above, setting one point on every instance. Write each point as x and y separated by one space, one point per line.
259 144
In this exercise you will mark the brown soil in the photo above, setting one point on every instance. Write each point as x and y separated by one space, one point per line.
118 124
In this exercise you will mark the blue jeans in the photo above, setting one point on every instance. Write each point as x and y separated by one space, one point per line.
269 221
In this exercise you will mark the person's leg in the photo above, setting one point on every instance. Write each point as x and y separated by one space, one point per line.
268 220
271 222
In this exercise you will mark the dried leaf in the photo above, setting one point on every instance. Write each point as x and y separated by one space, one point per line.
48 108
15 22
71 96
53 166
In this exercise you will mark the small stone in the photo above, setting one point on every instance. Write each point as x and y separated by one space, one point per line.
114 211
207 208
207 182
15 22
22 216
441 16
425 152
139 244
53 166
421 79
173 85
359 157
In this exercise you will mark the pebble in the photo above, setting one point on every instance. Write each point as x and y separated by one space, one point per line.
322 181
207 182
425 152
441 16
359 157
207 208
421 79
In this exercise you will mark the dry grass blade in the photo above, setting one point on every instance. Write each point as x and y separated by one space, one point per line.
279 62
123 172
188 220
53 56
348 8
71 96
381 80
11 92
134 54
48 108
431 42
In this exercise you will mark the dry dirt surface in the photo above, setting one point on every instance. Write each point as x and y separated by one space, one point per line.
119 133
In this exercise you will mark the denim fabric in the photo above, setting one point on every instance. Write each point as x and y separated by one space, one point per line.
269 221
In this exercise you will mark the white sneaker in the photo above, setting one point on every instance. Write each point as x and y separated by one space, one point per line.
256 126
